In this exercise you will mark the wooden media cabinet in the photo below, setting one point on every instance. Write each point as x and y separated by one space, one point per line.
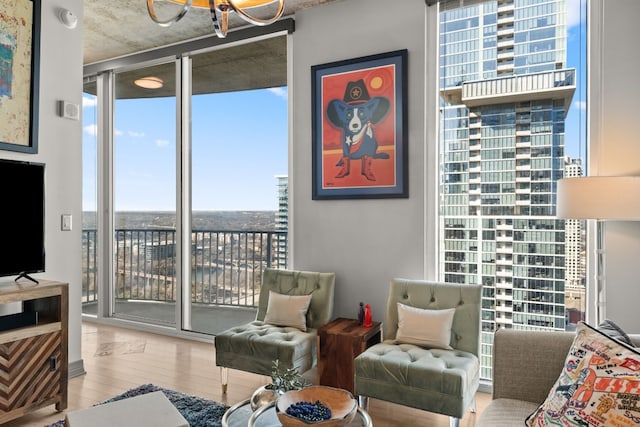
33 356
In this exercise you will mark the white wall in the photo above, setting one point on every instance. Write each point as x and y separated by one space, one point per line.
366 242
60 148
614 146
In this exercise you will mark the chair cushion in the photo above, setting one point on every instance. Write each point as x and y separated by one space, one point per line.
440 372
291 282
426 328
287 310
465 331
253 347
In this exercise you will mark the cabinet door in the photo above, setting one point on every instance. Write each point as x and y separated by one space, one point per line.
30 372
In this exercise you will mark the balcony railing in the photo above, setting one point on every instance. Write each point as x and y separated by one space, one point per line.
226 266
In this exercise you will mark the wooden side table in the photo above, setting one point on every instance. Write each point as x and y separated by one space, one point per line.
341 341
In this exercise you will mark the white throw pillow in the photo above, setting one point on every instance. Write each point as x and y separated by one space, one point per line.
426 328
288 310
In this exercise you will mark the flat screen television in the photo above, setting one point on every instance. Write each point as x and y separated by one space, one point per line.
21 218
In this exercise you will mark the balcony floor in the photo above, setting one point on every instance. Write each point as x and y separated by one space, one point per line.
208 319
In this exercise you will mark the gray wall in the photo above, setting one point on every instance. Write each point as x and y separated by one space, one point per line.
366 242
614 147
61 150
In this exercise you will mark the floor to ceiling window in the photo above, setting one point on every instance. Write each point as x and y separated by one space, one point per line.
512 78
89 197
239 144
194 183
144 171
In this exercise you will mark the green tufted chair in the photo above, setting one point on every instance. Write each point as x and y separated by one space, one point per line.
431 379
253 347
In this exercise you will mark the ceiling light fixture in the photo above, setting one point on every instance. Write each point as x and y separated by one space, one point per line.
220 10
149 82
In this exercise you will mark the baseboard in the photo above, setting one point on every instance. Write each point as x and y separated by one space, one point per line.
76 368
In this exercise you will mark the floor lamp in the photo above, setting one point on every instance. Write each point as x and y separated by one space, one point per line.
603 198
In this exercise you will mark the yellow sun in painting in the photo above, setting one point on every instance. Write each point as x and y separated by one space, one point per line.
376 82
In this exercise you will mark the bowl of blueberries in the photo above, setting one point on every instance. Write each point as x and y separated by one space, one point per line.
316 405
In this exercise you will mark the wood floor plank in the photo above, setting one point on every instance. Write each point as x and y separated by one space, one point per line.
118 359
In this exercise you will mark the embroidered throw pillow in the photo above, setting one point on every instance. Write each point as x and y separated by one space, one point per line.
287 310
599 385
426 328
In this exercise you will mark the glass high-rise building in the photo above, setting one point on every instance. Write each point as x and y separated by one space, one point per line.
505 92
575 255
282 220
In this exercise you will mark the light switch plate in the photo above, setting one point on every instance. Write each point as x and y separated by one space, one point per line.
66 224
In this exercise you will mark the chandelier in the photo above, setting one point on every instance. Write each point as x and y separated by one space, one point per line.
220 10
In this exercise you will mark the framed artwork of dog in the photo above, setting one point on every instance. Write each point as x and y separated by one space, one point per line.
359 126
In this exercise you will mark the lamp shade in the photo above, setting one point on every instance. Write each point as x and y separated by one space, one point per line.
614 198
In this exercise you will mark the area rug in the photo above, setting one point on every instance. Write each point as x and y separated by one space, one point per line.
197 411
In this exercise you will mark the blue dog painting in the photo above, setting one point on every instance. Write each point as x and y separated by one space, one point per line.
354 115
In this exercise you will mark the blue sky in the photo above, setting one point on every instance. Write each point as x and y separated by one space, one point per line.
239 143
239 146
575 125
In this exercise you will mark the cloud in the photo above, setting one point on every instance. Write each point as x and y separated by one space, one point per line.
580 105
134 134
118 132
89 102
162 142
282 92
573 13
91 130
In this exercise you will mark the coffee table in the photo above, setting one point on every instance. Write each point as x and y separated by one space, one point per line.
151 409
241 415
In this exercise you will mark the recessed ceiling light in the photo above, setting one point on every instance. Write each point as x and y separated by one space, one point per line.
149 82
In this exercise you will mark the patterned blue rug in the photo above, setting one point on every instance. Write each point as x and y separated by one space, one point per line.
197 411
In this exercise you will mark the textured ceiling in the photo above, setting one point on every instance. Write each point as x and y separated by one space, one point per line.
113 29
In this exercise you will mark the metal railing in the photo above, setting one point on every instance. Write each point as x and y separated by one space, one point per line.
226 266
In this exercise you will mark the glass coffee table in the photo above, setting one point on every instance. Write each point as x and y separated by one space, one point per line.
241 415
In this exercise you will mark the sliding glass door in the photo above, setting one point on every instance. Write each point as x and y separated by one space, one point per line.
190 185
144 195
238 147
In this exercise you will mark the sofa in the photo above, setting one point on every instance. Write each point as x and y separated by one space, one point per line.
526 364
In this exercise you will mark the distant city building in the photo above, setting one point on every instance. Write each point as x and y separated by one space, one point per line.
505 94
282 220
575 255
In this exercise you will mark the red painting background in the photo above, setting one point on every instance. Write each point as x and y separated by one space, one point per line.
380 81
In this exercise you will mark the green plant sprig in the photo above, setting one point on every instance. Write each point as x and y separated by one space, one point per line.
285 379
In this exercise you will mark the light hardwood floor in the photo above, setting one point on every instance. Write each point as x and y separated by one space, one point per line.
117 359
